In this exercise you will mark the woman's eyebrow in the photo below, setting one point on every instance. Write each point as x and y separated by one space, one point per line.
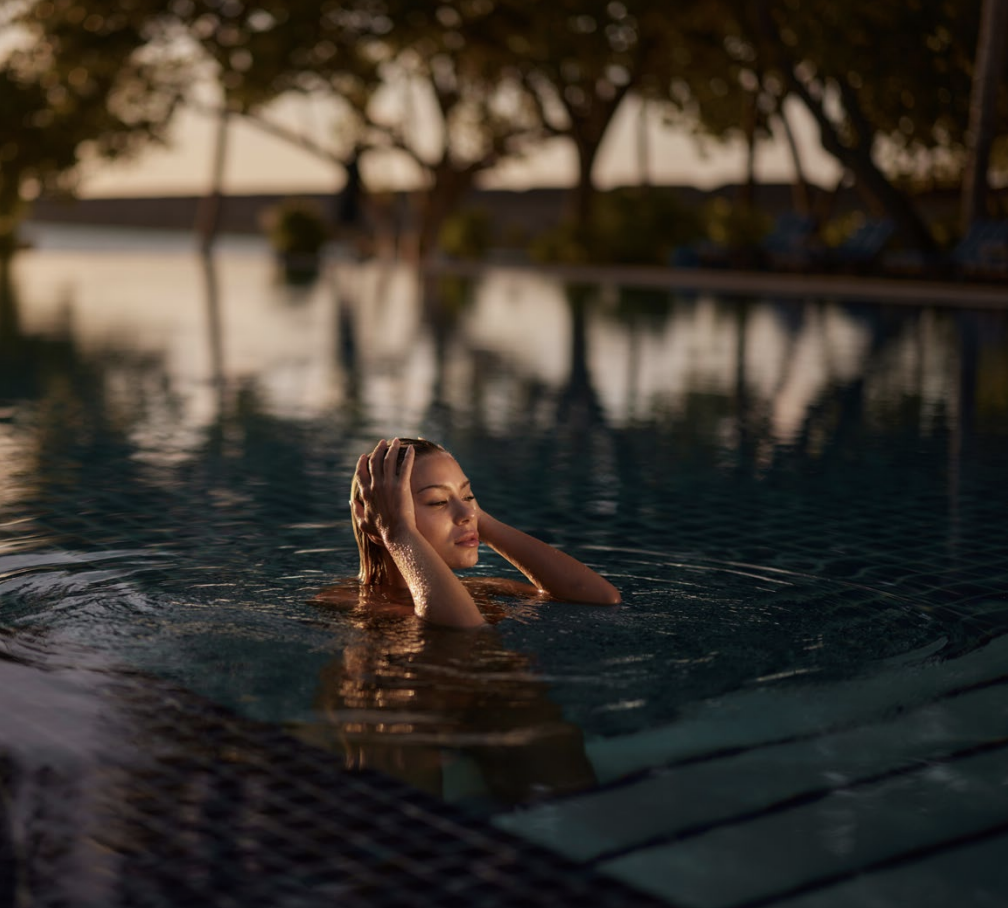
442 485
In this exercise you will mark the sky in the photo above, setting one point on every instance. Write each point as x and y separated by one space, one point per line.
259 163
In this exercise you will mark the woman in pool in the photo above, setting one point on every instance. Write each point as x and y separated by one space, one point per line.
416 522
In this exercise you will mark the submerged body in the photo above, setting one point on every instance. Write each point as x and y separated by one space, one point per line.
417 521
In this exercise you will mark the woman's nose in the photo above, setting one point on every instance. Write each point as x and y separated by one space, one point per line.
464 512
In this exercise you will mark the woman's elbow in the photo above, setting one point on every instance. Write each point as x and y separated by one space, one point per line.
606 594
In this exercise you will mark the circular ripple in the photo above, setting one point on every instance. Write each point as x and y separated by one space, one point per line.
693 629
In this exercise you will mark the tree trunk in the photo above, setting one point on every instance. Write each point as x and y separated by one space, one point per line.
587 130
208 217
584 191
858 159
12 211
447 189
10 320
802 191
989 65
747 193
643 148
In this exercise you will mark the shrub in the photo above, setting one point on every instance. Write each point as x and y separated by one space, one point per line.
735 226
631 226
297 227
466 234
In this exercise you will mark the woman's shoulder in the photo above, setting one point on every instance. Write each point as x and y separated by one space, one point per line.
351 594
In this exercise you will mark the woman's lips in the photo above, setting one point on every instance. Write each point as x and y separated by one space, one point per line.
470 540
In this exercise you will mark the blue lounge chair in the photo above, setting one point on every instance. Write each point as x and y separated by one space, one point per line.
983 251
791 243
864 245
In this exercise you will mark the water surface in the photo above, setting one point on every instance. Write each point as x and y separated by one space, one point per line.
793 496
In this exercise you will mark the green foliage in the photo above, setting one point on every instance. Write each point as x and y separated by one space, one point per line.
915 94
578 59
297 227
78 82
466 234
263 48
642 225
838 230
97 78
735 226
567 244
632 226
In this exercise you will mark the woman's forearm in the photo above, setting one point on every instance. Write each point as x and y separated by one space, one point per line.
438 595
552 571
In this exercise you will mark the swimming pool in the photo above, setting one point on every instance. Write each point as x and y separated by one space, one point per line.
802 501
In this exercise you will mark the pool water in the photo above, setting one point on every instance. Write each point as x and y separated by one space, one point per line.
803 503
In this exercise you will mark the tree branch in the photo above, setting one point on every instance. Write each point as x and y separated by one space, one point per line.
274 129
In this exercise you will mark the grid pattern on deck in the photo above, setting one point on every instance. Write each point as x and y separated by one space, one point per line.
200 807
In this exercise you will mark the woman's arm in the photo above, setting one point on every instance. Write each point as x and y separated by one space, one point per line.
388 512
552 571
438 595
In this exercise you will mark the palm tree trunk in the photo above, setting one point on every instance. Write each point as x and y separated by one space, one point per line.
584 191
802 191
990 64
747 194
208 217
643 149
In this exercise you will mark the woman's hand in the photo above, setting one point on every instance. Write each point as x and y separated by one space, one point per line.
386 510
386 513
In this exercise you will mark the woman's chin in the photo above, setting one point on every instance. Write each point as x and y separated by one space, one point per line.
466 558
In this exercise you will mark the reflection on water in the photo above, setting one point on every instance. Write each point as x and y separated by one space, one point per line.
400 695
483 348
785 492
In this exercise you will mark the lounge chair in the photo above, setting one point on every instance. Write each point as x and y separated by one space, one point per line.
983 251
791 244
863 247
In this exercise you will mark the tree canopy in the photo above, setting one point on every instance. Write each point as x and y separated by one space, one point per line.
79 81
888 83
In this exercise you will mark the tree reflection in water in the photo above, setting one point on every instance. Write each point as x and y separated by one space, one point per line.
612 427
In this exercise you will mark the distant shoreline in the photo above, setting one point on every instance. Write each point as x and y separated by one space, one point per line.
532 209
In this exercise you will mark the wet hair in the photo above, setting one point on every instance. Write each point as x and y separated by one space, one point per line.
372 563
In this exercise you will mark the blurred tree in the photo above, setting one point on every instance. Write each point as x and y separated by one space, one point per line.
78 81
579 59
893 120
447 98
257 51
452 102
718 89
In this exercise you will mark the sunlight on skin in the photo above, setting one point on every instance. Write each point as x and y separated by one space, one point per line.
429 533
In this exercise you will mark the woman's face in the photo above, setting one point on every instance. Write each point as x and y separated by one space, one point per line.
447 515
